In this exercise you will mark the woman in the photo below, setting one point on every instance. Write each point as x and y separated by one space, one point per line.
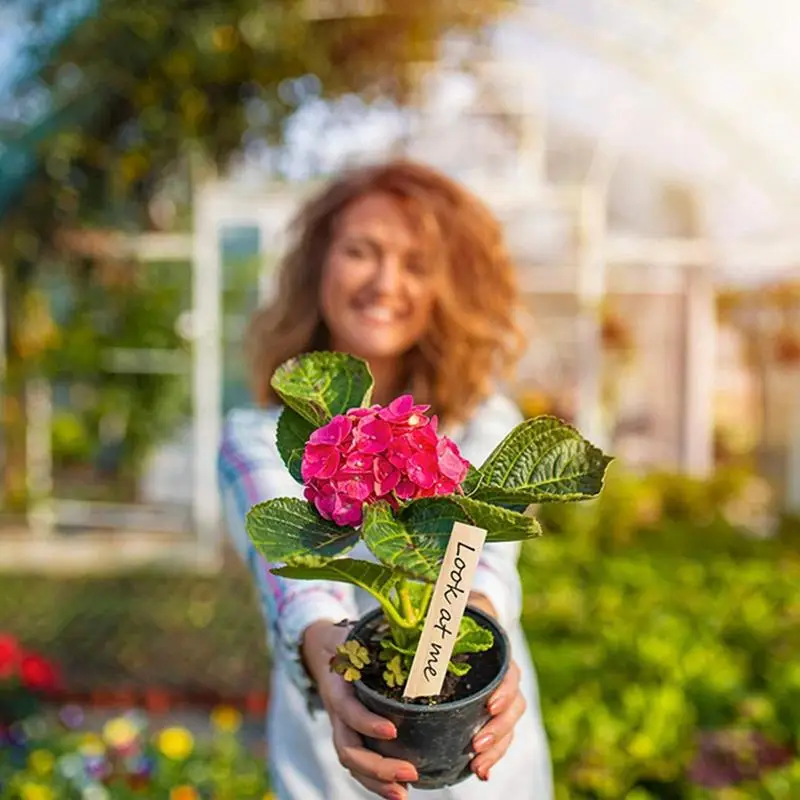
402 267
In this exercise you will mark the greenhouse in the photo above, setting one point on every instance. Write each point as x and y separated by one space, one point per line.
642 160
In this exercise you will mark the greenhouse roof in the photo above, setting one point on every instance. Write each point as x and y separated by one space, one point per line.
702 90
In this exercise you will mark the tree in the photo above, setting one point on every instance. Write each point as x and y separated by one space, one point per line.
118 91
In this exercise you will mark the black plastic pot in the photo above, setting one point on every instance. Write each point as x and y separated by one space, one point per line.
436 739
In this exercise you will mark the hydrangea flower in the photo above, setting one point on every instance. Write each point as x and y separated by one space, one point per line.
391 453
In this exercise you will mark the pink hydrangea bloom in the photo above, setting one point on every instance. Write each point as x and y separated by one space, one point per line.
391 453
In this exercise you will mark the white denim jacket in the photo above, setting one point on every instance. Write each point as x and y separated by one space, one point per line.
303 763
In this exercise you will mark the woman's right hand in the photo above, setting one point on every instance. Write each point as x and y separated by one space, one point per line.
349 718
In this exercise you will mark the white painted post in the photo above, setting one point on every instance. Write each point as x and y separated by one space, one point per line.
591 286
206 375
699 375
39 457
792 496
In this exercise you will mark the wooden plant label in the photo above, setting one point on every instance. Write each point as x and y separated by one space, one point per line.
450 595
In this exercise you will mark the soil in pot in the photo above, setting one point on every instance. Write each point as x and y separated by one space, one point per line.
434 734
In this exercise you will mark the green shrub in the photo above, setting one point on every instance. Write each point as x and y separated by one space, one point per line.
652 620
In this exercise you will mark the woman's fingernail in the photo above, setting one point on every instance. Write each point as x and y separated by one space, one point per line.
483 741
406 775
494 705
385 731
393 795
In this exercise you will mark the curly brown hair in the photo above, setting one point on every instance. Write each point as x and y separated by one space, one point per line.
473 339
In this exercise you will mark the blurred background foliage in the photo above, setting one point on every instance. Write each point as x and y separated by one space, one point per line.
146 81
111 418
110 103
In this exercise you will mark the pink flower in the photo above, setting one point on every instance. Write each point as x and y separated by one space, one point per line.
423 468
319 461
334 433
451 464
387 476
390 453
403 411
373 435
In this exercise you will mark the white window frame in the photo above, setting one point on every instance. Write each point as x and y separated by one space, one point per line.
37 546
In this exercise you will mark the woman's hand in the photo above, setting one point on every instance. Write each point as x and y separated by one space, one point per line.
383 776
506 705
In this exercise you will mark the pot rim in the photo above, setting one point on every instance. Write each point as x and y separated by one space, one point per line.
501 638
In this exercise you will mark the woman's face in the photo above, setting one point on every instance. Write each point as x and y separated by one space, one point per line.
377 293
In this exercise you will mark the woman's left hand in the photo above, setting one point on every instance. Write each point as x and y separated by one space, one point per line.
506 705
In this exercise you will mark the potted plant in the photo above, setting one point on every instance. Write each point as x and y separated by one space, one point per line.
385 477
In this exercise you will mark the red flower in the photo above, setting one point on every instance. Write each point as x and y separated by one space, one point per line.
10 656
38 674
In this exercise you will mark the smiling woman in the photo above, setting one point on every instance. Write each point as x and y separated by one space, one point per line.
396 260
377 280
400 266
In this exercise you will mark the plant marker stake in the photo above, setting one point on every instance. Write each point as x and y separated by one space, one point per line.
450 595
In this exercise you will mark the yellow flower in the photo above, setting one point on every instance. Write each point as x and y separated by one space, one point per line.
119 732
183 793
35 791
91 745
226 719
175 743
95 792
41 762
269 796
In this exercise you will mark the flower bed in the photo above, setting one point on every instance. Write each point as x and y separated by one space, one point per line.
56 758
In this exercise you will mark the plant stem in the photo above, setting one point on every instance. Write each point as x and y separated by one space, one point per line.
405 602
426 599
392 614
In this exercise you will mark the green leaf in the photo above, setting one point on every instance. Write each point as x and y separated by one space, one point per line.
419 593
355 653
414 553
472 638
542 460
459 668
390 646
288 530
394 674
293 433
341 665
320 385
373 578
472 481
434 517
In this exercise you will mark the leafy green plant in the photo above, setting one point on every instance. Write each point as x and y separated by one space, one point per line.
650 648
385 477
